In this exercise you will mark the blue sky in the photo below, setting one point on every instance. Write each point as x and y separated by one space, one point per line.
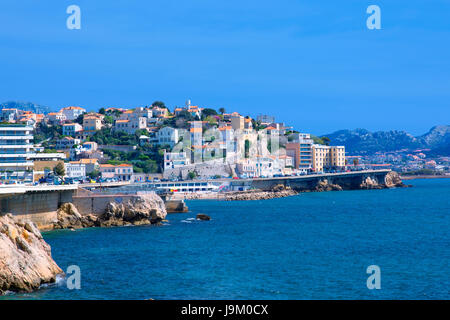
312 64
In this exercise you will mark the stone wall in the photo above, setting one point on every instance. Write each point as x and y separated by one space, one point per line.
39 207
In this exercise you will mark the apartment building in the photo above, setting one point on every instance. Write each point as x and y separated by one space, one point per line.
122 172
300 149
75 170
328 157
15 149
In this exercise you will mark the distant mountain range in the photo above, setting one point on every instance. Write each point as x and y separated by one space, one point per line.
362 141
26 106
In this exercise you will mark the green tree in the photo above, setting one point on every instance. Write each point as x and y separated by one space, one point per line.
246 148
326 141
102 111
79 119
159 104
208 112
222 110
94 174
59 170
108 119
192 175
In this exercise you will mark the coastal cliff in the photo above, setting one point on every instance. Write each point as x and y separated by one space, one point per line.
25 258
138 210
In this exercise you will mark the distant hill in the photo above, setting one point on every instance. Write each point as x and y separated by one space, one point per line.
26 106
361 141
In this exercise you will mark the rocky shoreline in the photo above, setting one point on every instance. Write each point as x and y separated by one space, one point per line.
140 210
392 180
25 258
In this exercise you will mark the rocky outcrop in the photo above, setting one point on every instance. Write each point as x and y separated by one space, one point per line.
202 216
68 217
325 185
370 183
25 258
393 180
279 191
141 209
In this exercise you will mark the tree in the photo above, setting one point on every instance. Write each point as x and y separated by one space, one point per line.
222 110
355 162
192 175
159 104
326 141
102 111
94 174
246 148
208 112
59 170
79 119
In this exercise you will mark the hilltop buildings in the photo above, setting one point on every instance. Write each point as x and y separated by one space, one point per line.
193 141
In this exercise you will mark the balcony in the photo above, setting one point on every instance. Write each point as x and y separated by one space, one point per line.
17 137
15 163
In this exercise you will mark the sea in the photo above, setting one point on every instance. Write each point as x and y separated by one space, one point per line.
311 246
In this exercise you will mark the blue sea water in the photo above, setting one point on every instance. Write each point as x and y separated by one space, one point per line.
311 246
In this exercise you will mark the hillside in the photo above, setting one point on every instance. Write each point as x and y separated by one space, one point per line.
26 106
361 141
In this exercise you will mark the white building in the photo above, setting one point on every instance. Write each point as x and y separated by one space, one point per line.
174 160
167 136
131 125
67 142
15 149
71 113
75 170
70 129
56 117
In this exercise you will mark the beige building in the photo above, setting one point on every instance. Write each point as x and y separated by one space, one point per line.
91 123
327 157
237 122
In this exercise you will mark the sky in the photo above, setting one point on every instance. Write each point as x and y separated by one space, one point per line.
312 64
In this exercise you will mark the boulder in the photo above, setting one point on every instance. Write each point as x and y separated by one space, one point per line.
325 185
393 180
25 258
203 217
142 209
68 217
370 183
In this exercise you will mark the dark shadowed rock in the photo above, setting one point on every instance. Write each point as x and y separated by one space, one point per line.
203 217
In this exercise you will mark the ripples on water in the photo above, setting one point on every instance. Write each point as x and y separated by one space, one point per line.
311 246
